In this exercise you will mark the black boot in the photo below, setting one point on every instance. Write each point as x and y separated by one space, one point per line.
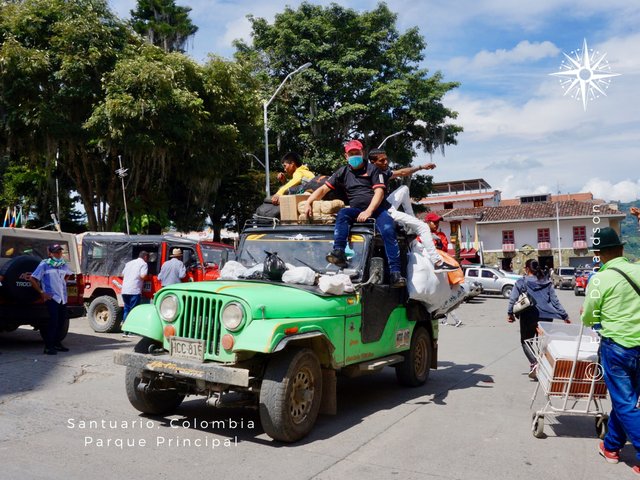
337 257
397 280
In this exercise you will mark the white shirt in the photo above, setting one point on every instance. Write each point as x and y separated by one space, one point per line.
171 272
133 273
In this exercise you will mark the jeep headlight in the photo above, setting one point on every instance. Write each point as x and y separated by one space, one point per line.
232 316
168 308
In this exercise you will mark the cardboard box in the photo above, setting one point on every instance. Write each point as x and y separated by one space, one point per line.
289 206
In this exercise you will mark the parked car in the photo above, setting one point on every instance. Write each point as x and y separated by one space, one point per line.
279 344
563 277
104 257
21 251
473 289
508 274
582 280
491 279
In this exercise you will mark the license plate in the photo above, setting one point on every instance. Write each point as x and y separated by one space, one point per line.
186 348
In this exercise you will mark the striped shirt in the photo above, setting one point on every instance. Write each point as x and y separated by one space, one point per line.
52 280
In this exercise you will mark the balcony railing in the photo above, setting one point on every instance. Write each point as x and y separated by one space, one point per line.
580 244
544 245
508 247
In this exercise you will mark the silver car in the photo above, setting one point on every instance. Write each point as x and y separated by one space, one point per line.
491 279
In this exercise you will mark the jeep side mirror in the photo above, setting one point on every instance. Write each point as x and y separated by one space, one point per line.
376 270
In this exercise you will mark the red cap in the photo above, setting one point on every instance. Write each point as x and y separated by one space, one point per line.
353 145
432 217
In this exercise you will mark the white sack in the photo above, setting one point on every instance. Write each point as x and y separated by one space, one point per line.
335 284
232 270
299 275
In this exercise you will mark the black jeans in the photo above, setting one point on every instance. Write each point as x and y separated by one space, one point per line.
528 324
57 316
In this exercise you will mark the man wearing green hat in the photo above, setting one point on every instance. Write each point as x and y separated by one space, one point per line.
613 300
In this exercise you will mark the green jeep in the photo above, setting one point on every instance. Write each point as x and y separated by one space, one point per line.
280 345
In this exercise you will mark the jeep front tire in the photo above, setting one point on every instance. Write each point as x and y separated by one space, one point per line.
104 314
291 394
147 400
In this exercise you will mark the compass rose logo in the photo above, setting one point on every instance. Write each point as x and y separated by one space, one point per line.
585 74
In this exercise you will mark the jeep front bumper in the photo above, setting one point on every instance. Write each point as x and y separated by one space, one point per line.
209 372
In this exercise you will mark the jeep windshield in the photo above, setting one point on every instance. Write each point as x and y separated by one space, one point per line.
302 249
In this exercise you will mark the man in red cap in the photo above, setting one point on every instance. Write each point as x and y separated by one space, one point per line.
365 189
433 220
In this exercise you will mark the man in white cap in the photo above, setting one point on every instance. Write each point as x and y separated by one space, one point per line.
172 270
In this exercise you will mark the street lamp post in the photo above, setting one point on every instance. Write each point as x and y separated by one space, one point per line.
390 136
122 172
266 126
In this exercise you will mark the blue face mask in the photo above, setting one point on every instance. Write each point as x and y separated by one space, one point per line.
355 162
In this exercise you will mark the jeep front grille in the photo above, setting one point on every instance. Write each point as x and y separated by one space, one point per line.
200 320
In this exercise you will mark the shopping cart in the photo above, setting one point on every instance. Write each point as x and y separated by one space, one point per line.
569 374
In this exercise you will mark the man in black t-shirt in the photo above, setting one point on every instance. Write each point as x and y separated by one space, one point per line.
364 186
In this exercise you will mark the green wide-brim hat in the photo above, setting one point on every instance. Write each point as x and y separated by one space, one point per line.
607 237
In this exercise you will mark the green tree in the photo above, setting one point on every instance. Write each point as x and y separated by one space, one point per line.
163 24
52 58
365 82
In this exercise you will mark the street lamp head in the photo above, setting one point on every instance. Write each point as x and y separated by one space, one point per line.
302 67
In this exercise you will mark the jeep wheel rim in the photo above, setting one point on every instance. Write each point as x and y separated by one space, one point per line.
102 315
420 357
301 397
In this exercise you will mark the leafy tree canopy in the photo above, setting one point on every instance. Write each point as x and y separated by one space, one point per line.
163 24
365 82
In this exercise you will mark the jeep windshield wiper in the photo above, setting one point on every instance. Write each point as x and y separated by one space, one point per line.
307 265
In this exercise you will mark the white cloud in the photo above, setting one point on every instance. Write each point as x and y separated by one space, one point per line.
524 51
623 191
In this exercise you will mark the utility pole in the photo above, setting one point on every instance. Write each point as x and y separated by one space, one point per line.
122 172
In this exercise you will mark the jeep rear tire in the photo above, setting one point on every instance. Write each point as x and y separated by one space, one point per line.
414 371
16 285
104 314
158 402
291 394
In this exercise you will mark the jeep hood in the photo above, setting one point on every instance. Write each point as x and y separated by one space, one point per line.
272 300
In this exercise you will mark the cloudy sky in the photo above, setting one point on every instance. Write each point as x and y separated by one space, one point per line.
522 133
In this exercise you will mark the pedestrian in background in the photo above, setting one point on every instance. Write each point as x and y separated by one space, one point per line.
612 299
173 270
547 307
50 281
133 280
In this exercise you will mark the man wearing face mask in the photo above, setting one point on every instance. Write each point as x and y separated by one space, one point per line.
49 280
364 186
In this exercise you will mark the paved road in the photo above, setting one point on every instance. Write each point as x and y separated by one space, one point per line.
471 421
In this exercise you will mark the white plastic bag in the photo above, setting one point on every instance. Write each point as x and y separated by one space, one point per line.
232 270
423 284
335 284
299 275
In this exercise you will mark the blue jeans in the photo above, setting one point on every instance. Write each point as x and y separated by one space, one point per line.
384 224
129 301
57 316
622 375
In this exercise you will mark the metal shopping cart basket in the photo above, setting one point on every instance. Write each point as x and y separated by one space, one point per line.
569 374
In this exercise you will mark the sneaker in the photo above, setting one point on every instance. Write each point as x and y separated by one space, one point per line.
50 351
610 456
443 267
533 373
337 257
60 348
127 335
397 280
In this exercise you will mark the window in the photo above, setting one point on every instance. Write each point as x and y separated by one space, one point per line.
448 205
487 274
472 273
478 203
544 235
508 237
579 234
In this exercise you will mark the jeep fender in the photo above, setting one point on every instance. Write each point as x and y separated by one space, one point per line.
143 320
317 341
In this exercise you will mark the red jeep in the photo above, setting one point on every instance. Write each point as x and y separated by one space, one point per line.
104 257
